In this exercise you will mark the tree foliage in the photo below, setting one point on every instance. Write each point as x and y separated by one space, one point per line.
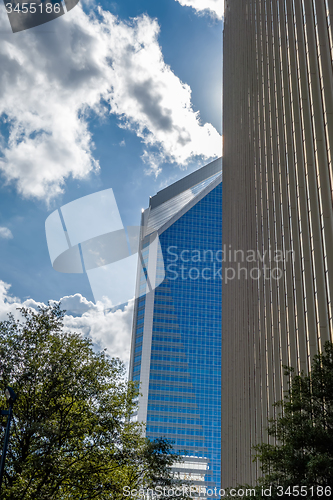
303 430
72 436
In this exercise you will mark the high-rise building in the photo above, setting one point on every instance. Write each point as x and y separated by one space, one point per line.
277 210
176 341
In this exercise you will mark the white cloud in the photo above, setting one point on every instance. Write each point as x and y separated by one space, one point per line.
10 304
110 330
48 83
51 83
153 101
5 233
214 7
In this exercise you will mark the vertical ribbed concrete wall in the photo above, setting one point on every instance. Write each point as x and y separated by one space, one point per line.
277 196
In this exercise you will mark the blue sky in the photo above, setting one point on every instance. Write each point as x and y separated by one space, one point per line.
122 95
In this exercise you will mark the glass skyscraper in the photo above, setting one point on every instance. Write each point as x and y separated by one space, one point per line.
176 342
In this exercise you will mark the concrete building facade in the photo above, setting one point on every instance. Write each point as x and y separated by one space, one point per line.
277 210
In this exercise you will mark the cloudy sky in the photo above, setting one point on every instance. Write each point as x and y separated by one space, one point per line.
123 95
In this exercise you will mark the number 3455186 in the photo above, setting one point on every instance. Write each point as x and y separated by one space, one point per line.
33 8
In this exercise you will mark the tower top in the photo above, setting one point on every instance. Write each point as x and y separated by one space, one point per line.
186 183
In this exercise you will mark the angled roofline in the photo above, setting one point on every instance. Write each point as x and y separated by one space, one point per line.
186 183
189 205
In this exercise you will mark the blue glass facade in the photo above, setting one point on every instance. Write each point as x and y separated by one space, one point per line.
184 392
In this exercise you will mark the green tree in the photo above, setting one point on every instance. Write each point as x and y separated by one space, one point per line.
72 436
303 429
